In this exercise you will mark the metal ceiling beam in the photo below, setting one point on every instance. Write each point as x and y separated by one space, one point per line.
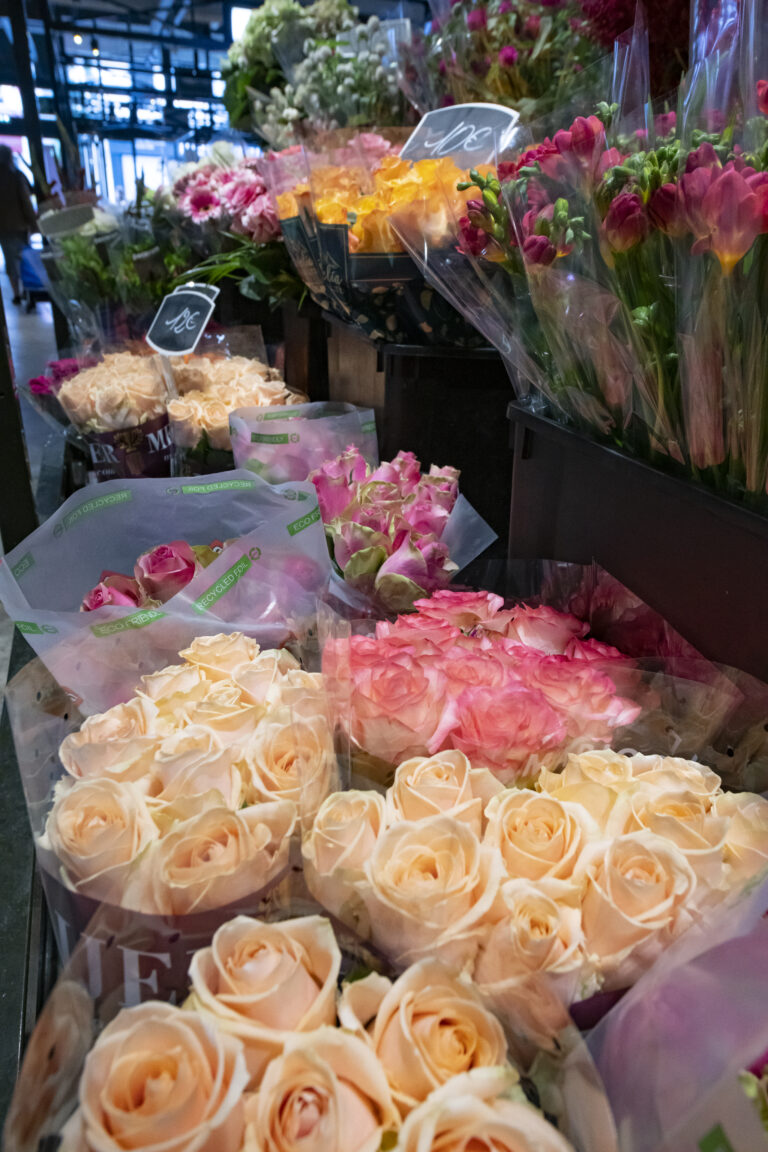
176 40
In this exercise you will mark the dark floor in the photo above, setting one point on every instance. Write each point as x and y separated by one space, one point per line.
32 345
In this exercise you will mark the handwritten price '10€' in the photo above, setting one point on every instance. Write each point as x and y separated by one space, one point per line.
186 321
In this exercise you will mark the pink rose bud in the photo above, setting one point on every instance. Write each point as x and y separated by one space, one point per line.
508 56
477 19
539 251
626 223
165 570
120 590
762 96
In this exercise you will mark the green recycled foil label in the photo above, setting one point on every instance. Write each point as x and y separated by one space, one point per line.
23 565
282 414
369 426
304 522
136 620
28 629
226 581
716 1141
97 504
272 437
218 486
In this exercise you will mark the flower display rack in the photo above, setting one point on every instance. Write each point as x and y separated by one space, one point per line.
696 558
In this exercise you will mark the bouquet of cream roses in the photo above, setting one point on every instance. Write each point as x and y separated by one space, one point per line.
274 1050
547 895
184 798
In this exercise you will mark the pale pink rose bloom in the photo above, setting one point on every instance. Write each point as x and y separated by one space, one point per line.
259 220
114 590
334 480
166 569
544 628
464 610
584 697
508 730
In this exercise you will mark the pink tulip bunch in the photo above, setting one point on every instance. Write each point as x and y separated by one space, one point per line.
157 576
385 525
514 689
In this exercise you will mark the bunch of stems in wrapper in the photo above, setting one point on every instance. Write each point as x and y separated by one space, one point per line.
620 262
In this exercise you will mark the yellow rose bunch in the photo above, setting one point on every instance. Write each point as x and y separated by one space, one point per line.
269 1055
422 193
584 880
184 798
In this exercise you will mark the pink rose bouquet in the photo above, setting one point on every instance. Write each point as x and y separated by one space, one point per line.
548 894
512 688
385 526
272 1050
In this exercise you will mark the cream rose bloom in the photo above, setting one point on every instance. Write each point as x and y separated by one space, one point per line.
687 819
601 766
288 759
326 1092
336 849
444 784
216 422
673 774
224 711
426 1028
186 417
538 836
746 840
192 762
537 932
218 656
265 982
215 858
261 678
481 1111
120 743
97 829
430 889
159 1079
638 893
174 681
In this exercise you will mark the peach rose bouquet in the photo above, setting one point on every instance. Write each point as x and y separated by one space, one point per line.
210 388
516 689
547 895
274 1050
185 798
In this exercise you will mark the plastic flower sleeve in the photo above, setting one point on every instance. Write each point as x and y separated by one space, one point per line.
267 562
229 744
698 1045
282 444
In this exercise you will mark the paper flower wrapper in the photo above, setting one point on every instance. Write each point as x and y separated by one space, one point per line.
294 1031
264 582
282 444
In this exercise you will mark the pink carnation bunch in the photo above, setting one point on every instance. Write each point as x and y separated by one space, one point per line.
385 526
234 199
515 689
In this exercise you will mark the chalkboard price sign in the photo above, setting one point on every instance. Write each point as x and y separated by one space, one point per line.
470 134
181 319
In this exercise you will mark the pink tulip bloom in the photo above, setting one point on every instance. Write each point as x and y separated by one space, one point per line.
733 214
666 211
762 96
539 251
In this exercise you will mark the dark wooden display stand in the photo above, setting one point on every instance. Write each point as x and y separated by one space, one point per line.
699 560
447 405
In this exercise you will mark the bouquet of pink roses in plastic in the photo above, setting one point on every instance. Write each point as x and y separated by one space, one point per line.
514 689
394 532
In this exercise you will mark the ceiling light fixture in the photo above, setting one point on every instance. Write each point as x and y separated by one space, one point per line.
94 46
78 39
